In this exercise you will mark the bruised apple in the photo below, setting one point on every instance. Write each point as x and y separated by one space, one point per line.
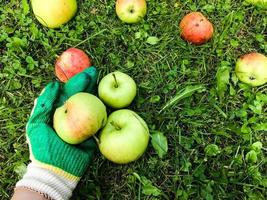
196 28
252 69
81 116
71 62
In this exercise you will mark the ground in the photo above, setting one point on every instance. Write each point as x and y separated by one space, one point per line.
210 131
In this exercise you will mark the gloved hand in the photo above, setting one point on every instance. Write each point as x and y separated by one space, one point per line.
56 166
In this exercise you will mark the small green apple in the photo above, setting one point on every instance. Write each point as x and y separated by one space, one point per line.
117 89
81 116
252 69
124 138
131 11
54 13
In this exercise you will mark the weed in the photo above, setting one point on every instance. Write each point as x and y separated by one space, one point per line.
210 134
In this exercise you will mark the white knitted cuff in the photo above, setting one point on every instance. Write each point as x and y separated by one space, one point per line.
47 182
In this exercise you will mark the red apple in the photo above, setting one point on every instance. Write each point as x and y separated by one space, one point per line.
71 62
196 28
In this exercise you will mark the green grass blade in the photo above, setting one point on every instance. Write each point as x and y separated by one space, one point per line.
182 94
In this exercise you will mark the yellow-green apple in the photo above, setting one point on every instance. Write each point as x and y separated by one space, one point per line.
117 89
54 13
124 138
131 11
252 69
71 62
258 3
81 116
196 28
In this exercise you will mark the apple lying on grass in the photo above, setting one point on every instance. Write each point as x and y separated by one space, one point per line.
81 116
71 62
124 138
117 89
131 11
252 69
196 28
54 13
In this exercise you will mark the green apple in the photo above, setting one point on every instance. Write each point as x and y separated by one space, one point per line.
131 11
252 69
54 13
117 89
259 3
81 116
124 138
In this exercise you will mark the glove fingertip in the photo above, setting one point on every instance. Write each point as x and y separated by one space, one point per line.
91 71
52 87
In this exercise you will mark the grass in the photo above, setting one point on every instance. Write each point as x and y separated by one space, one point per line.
210 132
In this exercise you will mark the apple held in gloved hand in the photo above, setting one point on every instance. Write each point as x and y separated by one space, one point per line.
117 89
124 138
54 13
81 116
71 62
131 11
252 69
196 28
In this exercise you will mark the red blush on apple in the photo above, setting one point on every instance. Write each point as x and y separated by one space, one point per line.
71 62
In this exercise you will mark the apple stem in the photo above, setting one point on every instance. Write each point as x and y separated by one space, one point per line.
116 83
96 139
115 125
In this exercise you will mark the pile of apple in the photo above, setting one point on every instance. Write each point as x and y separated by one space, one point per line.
124 135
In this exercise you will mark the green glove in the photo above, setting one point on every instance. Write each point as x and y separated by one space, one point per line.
47 151
83 82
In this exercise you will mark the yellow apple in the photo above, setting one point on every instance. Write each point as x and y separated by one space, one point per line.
54 13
